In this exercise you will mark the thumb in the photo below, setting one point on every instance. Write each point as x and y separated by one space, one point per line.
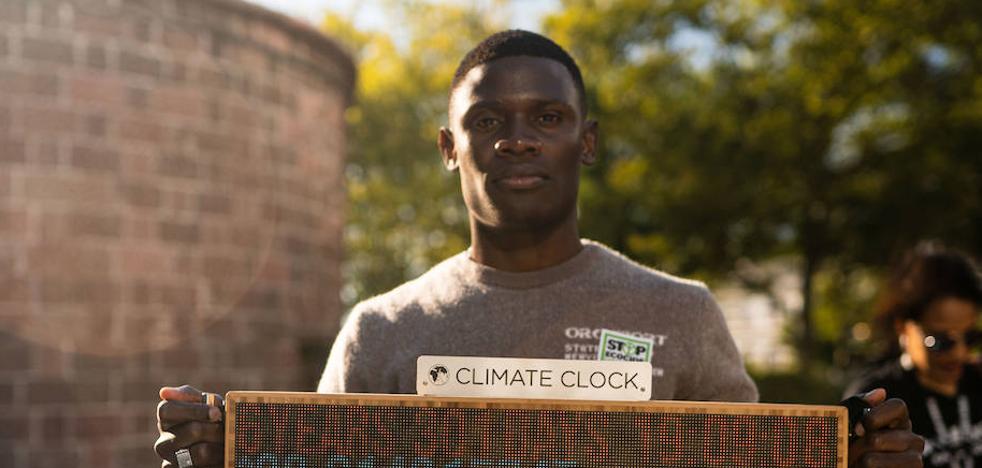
183 393
875 397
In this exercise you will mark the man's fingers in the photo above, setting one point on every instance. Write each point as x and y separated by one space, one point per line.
171 413
164 447
875 397
186 421
896 440
186 435
194 432
167 464
908 459
891 414
885 441
207 454
203 455
182 393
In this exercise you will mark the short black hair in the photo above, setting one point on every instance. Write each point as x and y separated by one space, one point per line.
517 42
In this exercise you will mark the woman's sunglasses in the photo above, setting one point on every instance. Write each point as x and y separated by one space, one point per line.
941 342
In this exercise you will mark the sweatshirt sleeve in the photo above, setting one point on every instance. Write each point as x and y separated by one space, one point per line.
342 374
719 372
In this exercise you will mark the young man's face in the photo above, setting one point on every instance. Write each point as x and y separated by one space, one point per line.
518 137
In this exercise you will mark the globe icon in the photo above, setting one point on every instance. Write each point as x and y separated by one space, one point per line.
439 374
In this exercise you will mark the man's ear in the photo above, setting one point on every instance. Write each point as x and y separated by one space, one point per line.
591 136
445 141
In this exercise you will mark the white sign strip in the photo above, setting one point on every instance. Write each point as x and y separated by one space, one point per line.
464 376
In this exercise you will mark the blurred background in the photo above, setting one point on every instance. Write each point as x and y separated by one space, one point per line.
784 152
196 191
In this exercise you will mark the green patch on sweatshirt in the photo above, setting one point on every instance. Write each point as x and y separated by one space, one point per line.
616 346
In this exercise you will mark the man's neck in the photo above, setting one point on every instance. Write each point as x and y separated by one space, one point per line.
524 250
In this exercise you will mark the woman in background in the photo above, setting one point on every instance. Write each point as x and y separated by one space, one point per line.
929 311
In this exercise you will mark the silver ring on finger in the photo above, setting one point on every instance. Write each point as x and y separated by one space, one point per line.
211 399
184 458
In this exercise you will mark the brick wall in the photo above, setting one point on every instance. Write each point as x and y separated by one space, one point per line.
170 212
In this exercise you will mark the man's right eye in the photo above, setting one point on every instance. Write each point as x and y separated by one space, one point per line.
485 123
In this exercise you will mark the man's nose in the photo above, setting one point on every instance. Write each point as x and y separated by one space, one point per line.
518 143
523 146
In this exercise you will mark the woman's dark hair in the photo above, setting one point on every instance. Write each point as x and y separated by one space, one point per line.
927 273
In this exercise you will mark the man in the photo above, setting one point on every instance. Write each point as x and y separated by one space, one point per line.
529 286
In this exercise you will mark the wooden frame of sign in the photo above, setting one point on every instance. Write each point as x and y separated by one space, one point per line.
280 429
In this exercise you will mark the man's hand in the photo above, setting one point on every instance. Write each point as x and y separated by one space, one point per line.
885 437
185 421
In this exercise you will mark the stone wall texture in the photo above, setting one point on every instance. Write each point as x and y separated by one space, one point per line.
171 205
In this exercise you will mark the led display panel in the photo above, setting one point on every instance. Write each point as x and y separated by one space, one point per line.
280 430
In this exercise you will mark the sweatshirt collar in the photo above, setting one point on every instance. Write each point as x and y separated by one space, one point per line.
531 279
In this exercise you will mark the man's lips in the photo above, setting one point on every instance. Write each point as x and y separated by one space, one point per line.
521 182
520 179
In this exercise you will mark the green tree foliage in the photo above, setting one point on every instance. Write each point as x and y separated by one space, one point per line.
404 210
833 132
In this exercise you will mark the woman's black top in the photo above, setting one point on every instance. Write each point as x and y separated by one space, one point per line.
951 426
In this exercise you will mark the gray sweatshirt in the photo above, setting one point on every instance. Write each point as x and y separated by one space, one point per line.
462 308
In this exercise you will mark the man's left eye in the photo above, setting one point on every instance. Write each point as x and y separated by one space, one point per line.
549 118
